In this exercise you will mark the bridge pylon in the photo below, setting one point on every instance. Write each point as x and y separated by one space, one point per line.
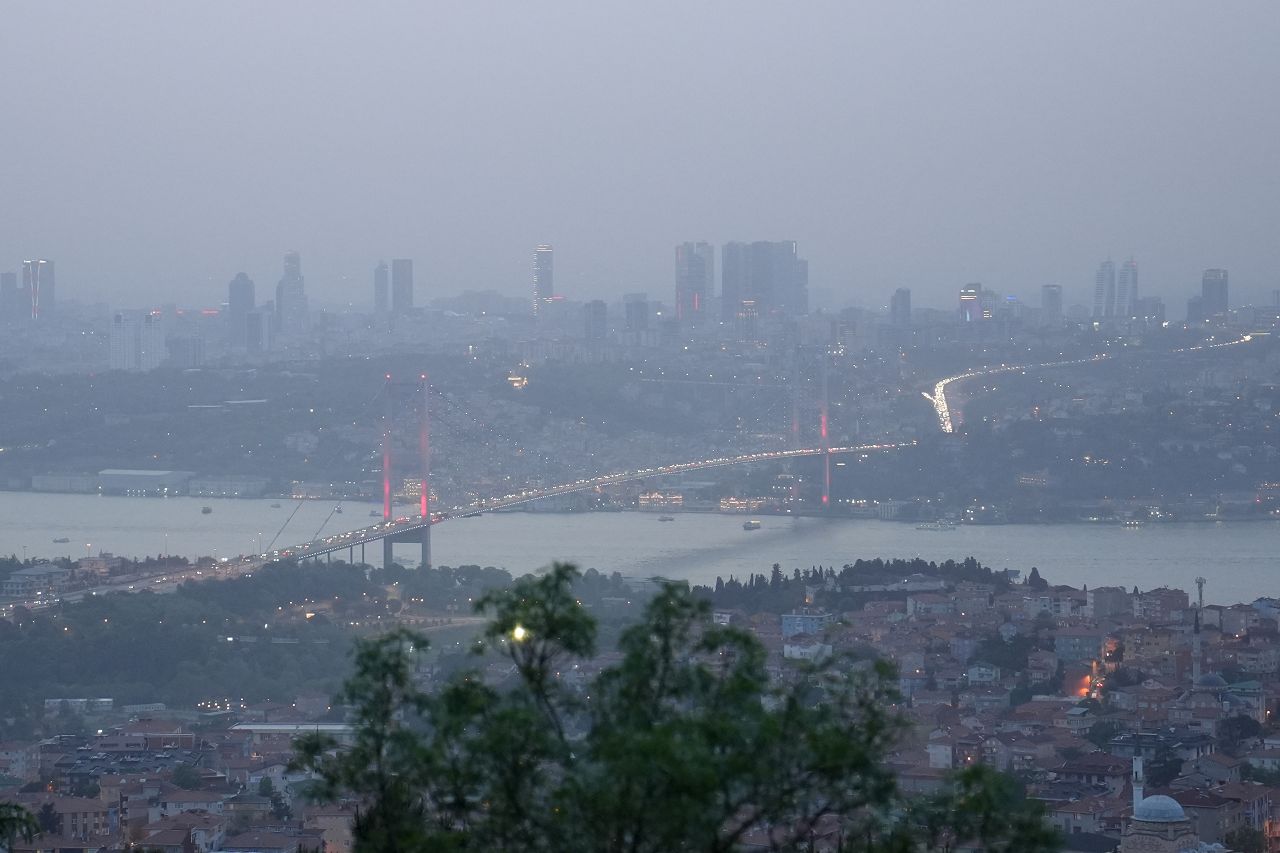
419 400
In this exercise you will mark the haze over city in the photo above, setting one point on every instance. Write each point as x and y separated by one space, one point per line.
632 428
156 150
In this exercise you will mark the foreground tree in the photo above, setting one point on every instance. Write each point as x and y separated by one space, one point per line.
16 822
686 744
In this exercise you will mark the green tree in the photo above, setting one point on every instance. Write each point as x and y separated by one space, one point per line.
685 744
1245 839
49 820
187 776
16 822
265 788
1101 733
1163 768
1234 731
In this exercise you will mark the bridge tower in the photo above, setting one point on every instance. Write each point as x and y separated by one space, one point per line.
419 401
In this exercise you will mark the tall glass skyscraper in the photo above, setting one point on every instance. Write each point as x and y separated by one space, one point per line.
544 285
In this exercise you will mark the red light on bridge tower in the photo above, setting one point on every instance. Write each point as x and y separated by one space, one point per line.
416 396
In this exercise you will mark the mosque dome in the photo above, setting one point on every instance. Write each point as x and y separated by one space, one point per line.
1159 809
1211 680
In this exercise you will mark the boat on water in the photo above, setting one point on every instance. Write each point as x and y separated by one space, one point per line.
61 540
472 515
1133 522
275 506
373 513
205 510
338 509
751 525
936 526
666 518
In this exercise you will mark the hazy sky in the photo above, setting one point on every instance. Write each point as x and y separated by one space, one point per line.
155 149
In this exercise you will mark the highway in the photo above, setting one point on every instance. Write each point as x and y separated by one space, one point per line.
943 409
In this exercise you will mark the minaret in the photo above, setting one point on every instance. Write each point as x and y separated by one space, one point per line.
1138 781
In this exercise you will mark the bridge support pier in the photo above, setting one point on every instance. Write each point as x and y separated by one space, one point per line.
388 553
351 555
426 546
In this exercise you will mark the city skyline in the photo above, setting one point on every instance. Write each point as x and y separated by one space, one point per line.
965 173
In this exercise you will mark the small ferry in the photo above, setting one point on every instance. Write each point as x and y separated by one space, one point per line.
472 515
666 518
338 509
61 540
373 513
205 510
275 506
751 525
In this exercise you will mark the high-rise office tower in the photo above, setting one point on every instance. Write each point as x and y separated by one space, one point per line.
10 301
151 342
544 283
770 275
123 341
291 297
596 320
240 301
240 295
1051 305
37 287
1104 291
401 286
970 307
381 288
1127 290
695 277
137 341
900 308
1213 292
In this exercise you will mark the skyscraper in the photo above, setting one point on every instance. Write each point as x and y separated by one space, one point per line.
770 275
401 286
900 308
381 288
240 295
240 301
544 285
970 307
695 277
291 297
1127 290
37 287
1213 292
137 341
1104 291
1051 305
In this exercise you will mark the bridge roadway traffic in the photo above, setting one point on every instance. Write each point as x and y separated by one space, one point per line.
402 528
410 528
